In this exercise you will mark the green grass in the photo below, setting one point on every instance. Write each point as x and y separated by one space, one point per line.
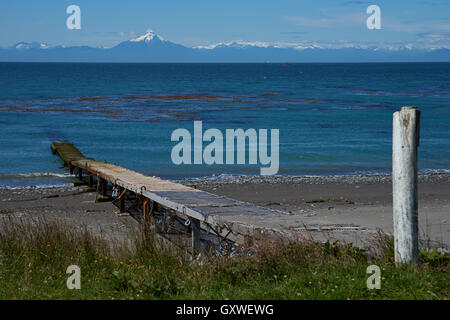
34 257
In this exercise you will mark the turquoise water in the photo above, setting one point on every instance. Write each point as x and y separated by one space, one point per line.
333 118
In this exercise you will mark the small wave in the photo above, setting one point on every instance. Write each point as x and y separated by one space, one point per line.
33 187
34 180
433 171
32 175
230 178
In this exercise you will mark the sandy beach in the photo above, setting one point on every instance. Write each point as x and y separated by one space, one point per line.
347 208
363 203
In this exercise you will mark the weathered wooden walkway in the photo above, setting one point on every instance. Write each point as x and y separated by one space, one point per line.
198 208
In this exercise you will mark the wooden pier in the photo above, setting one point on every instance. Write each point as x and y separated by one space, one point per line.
200 211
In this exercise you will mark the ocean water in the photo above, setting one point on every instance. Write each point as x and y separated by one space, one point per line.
334 119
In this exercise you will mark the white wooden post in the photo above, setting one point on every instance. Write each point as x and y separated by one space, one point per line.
405 140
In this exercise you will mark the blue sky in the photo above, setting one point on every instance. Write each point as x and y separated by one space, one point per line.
203 22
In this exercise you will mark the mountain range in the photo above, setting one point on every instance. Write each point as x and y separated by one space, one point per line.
151 47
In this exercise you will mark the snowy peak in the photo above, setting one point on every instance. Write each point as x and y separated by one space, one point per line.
30 45
235 44
149 36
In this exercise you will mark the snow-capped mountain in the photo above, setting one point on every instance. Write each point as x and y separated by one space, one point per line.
235 44
151 47
147 40
149 36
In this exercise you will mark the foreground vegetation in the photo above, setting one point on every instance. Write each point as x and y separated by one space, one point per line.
34 258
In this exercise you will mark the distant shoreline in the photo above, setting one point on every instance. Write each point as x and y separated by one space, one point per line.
206 62
434 176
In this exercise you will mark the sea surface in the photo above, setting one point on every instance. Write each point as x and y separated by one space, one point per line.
334 119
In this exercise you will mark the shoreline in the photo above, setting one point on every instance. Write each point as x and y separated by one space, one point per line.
311 179
428 175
